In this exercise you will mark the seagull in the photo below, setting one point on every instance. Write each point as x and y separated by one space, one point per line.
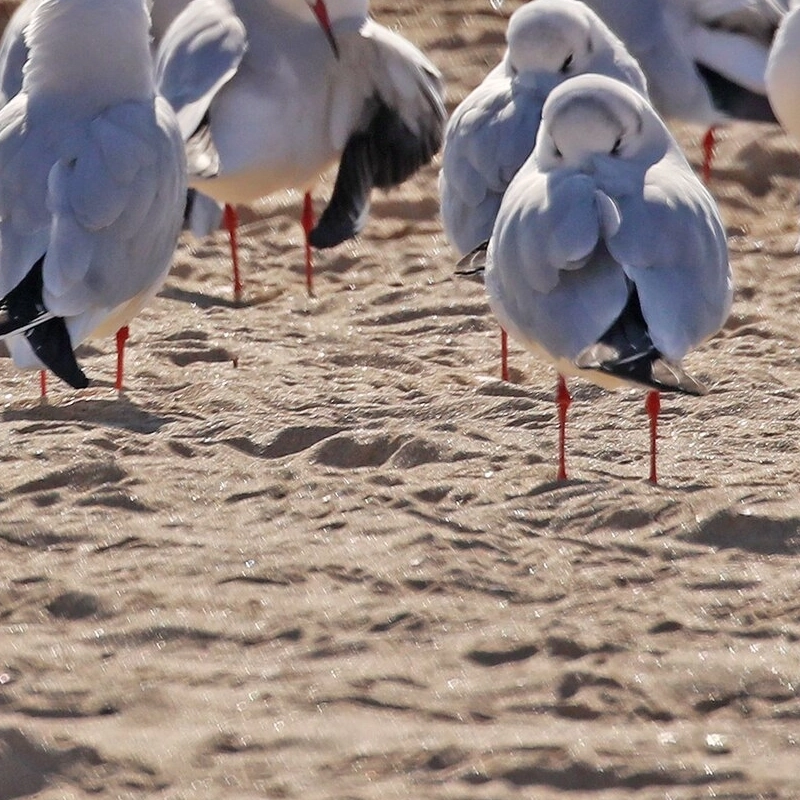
14 54
298 102
493 130
92 183
608 256
783 77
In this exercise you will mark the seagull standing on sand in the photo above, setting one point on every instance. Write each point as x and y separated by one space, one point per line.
493 130
608 255
298 102
92 181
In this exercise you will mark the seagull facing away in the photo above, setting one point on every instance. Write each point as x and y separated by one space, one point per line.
299 102
493 130
92 182
608 256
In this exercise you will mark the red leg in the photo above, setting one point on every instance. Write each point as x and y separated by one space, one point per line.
308 225
708 153
231 219
43 383
563 400
122 337
503 354
653 406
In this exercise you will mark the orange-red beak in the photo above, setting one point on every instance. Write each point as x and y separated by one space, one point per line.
321 13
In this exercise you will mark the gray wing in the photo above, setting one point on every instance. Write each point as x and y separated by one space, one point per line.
117 206
549 278
488 138
672 245
26 157
199 53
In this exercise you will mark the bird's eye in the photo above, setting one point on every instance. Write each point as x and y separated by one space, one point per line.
566 65
557 153
616 147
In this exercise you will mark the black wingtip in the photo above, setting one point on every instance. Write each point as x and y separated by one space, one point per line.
384 154
22 311
735 100
473 264
626 351
53 347
647 369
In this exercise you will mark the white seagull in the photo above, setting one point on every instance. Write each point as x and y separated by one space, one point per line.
783 77
608 256
92 183
299 102
492 131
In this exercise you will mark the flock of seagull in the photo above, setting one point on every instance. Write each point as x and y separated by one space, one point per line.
560 183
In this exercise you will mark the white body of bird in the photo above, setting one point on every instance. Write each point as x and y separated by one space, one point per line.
92 171
783 74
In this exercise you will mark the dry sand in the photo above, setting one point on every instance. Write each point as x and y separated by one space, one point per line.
343 568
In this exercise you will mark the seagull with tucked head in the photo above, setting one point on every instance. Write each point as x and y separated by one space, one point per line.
92 181
608 256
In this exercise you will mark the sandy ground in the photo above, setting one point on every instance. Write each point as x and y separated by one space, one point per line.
316 550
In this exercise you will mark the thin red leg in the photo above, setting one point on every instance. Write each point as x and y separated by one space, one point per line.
653 406
308 225
503 354
122 337
231 225
563 400
709 140
43 383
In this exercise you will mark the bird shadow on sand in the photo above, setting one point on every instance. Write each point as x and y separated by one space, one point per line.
206 301
758 165
115 411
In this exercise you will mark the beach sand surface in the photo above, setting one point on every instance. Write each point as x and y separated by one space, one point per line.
317 549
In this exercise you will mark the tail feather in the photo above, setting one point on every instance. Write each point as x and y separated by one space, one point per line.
473 264
626 351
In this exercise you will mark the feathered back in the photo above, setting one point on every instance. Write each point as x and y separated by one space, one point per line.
60 36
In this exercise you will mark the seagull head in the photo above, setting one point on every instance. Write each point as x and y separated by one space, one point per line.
549 39
593 123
